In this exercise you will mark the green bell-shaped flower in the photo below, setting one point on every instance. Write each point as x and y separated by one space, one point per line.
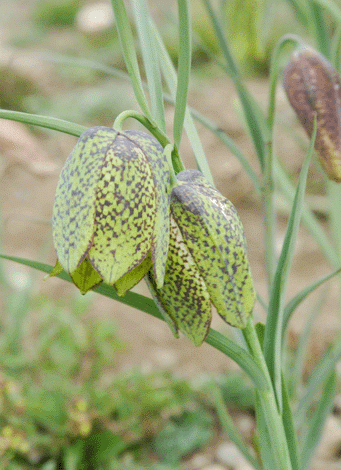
207 261
313 86
111 211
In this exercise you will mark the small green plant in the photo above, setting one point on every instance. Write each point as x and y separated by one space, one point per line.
126 208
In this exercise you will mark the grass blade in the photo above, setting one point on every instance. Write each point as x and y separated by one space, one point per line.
289 429
316 422
265 446
44 121
184 68
256 122
145 304
319 377
308 218
129 54
171 81
229 426
295 301
297 368
150 61
274 325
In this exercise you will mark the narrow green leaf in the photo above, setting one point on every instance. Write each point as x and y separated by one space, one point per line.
184 68
316 422
147 305
229 426
289 429
295 301
299 361
274 324
332 8
129 54
230 145
43 121
308 218
171 80
320 29
265 446
318 379
256 122
150 61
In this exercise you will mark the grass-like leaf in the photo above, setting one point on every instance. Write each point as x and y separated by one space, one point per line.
313 433
308 218
129 54
171 81
295 301
184 68
145 304
264 441
289 429
256 122
318 379
229 426
150 61
44 121
274 325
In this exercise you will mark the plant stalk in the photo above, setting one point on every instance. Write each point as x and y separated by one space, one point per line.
268 402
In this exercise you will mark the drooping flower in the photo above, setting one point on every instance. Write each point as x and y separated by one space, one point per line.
111 211
313 86
207 261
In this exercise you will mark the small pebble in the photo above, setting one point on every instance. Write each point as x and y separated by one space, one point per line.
228 454
95 17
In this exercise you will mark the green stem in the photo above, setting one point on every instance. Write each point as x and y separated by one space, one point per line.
268 401
168 151
153 129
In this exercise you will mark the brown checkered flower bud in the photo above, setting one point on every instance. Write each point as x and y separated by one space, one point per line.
313 86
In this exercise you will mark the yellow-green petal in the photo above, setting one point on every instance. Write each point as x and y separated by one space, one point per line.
183 300
58 268
159 167
124 212
214 235
132 278
85 277
75 199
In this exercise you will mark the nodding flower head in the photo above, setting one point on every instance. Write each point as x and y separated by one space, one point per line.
207 261
111 210
313 87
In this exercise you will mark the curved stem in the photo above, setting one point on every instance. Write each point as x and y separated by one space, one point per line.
154 130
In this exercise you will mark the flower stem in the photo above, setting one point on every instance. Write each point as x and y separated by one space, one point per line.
268 402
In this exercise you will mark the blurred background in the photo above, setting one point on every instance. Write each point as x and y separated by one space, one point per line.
85 382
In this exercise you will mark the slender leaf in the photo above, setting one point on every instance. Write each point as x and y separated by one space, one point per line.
150 60
316 422
171 80
43 121
318 379
274 324
295 301
184 69
265 445
320 28
256 122
308 218
297 368
229 426
289 428
129 54
145 304
332 8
